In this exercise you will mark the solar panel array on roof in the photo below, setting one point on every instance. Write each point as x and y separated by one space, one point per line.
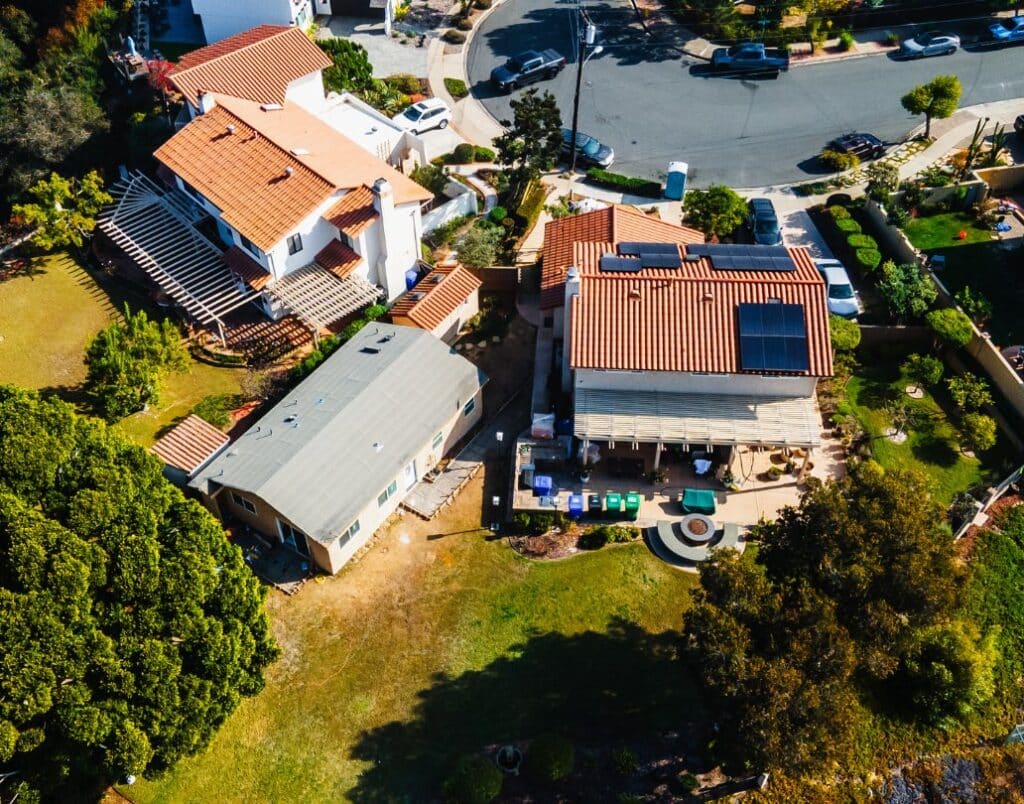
728 257
635 249
620 265
661 260
773 337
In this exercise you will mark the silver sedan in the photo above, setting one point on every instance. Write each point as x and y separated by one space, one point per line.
932 43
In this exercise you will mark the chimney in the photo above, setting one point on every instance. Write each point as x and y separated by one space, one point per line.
572 291
289 170
390 274
206 102
231 128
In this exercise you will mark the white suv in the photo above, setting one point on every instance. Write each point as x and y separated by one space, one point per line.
424 115
843 300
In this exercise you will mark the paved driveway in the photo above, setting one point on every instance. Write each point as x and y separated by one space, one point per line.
653 105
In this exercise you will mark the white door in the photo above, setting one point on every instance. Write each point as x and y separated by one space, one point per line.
410 475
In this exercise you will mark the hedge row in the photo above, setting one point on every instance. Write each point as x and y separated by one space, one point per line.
627 184
530 206
861 248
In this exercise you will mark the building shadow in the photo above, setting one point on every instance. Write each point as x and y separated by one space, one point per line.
588 686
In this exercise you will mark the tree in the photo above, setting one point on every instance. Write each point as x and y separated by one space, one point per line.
532 140
974 304
126 363
969 391
924 370
478 247
433 177
936 99
845 333
907 292
716 211
63 211
130 626
883 178
951 327
351 71
978 431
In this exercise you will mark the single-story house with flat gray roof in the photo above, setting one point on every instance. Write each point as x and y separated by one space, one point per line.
337 455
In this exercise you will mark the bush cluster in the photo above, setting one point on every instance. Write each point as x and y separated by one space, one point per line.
474 780
838 160
627 184
868 259
537 522
597 537
858 241
464 153
848 226
454 37
456 88
530 206
498 214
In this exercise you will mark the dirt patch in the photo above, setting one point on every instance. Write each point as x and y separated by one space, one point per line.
551 545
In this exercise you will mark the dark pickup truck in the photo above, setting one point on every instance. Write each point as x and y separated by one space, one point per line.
750 57
526 68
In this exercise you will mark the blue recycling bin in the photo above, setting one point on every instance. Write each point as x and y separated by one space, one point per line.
542 485
675 183
576 506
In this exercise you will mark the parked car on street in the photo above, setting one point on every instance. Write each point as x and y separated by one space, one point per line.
589 151
1009 29
842 299
930 43
526 68
424 115
864 145
750 57
764 222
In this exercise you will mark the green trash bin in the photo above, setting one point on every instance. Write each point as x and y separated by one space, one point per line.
632 506
613 506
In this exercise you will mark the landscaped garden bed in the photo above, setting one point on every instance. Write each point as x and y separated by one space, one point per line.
552 536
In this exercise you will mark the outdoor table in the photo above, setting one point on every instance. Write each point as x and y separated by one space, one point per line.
693 534
613 504
698 501
632 506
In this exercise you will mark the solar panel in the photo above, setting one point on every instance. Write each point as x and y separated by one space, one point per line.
739 257
655 260
613 264
636 248
773 337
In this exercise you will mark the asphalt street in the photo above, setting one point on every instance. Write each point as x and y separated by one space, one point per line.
654 105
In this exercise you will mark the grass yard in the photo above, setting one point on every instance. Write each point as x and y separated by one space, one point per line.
438 646
49 318
979 263
931 446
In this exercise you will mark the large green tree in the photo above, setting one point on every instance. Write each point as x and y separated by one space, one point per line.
717 211
532 139
936 99
908 293
130 627
127 361
63 211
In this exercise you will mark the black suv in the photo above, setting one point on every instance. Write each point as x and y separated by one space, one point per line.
865 146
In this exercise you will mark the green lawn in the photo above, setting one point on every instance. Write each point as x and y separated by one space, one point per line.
459 644
931 446
49 317
979 263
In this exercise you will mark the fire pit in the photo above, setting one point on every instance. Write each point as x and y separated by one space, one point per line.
697 528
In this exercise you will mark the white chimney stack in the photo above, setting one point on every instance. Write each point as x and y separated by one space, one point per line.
572 290
206 102
390 273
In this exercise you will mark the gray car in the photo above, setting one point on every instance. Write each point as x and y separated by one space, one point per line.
930 43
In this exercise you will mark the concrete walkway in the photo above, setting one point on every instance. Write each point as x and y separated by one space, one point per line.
387 55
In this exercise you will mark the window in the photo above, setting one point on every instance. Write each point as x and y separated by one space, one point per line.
393 487
346 537
294 244
384 495
469 407
438 440
249 245
242 502
293 537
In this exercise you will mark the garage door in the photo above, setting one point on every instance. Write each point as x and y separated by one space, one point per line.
355 8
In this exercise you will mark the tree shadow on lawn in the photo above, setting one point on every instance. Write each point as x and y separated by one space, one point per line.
938 450
588 686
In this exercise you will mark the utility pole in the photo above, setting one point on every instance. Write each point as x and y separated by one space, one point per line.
585 41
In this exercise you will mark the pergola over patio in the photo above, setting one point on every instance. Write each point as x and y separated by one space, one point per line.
155 230
655 417
320 298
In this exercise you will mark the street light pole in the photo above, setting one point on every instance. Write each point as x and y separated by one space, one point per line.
584 41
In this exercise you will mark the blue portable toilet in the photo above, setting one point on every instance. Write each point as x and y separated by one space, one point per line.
675 184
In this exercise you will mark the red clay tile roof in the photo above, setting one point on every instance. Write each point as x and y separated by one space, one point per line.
189 444
686 319
443 290
614 224
353 213
257 64
338 258
246 268
244 173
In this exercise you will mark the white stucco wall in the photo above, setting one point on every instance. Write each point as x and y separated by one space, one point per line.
403 233
686 382
308 92
224 18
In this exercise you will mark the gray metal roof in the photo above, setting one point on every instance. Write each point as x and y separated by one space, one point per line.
342 435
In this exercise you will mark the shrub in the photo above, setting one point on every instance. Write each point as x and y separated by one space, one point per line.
978 431
432 177
898 217
846 41
454 37
498 214
924 370
550 758
351 70
974 304
868 258
478 248
687 782
442 235
485 154
951 326
838 161
531 205
406 83
456 88
474 780
464 153
597 537
464 23
483 4
856 241
839 212
626 184
845 334
624 762
216 409
892 38
848 226
969 391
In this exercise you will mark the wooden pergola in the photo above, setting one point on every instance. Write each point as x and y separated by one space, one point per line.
155 229
320 298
